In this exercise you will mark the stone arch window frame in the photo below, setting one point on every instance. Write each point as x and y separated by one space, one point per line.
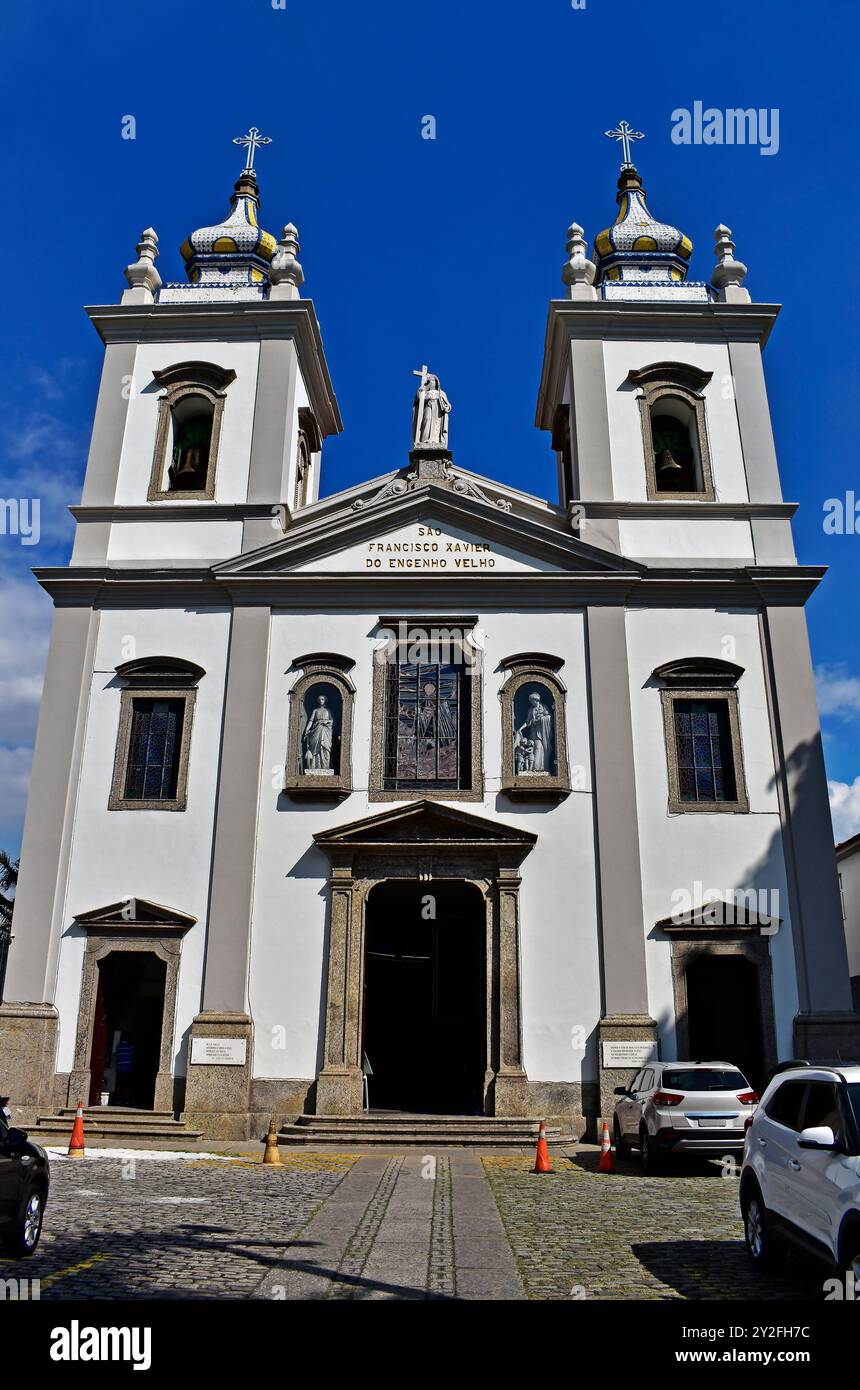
702 678
156 678
132 925
309 436
180 382
527 668
334 669
681 382
402 627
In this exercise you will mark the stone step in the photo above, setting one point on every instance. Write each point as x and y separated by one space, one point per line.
400 1120
437 1130
112 1122
296 1137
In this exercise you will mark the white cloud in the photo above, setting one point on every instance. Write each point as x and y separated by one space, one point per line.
845 808
24 635
838 691
15 780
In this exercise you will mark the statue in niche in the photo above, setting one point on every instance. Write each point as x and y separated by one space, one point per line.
430 412
533 739
317 739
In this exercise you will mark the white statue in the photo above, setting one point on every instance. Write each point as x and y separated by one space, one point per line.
430 412
533 738
318 738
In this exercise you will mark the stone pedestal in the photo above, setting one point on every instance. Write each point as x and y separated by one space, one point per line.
28 1050
827 1037
218 1096
340 1091
511 1092
640 1028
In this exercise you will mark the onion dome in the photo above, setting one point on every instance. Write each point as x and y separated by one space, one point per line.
236 251
637 247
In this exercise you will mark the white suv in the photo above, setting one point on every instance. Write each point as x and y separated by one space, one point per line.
692 1108
800 1180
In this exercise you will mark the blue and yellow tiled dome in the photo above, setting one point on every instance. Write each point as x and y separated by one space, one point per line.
236 251
637 247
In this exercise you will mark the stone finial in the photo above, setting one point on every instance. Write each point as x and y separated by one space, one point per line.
285 273
578 271
728 274
142 275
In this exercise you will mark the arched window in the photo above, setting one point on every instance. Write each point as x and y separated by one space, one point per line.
308 446
674 433
154 740
534 736
189 428
320 735
701 728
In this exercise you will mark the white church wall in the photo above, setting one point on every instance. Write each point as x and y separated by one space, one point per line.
161 855
173 542
721 852
700 538
559 929
625 428
234 452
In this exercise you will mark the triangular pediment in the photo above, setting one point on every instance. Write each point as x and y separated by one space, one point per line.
472 537
428 823
721 915
131 914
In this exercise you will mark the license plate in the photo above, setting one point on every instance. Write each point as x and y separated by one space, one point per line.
711 1124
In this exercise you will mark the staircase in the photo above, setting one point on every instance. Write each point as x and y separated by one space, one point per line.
394 1129
112 1125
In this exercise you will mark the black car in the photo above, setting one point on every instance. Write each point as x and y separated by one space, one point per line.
24 1182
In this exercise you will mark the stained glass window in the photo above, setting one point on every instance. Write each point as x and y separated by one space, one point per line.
424 735
703 741
153 754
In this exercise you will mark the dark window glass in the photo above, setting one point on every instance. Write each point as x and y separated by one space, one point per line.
192 441
426 735
784 1105
704 750
647 1081
705 1079
674 460
822 1107
852 1094
153 753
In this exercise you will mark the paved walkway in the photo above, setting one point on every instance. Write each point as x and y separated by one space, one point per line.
403 1227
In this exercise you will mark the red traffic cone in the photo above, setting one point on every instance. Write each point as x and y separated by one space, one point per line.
76 1143
542 1154
606 1164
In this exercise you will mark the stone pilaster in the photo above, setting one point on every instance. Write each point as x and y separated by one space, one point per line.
511 1085
620 1028
218 1097
340 1086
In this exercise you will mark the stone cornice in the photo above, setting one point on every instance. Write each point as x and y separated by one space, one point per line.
177 511
654 510
570 319
754 587
234 322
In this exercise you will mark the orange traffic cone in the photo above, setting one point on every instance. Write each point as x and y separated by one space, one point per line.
76 1143
606 1164
542 1154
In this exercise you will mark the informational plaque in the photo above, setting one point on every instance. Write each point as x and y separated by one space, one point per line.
219 1052
629 1054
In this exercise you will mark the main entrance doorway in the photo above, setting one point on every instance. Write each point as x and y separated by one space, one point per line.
724 1013
424 1030
126 1043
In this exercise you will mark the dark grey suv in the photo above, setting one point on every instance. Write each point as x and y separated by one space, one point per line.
24 1183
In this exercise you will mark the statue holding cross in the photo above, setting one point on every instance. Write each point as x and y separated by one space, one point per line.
430 412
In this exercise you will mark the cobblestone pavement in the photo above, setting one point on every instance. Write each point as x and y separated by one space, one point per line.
395 1226
583 1234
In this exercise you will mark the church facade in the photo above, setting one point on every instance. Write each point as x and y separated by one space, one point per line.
430 792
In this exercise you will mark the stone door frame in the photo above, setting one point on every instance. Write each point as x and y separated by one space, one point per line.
104 937
469 850
754 948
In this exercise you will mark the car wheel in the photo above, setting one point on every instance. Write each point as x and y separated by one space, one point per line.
24 1235
622 1148
762 1249
648 1156
851 1265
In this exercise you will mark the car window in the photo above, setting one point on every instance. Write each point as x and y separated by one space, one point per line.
852 1096
634 1084
647 1080
822 1107
705 1079
784 1105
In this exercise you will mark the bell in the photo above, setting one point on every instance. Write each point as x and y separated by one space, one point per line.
666 462
190 473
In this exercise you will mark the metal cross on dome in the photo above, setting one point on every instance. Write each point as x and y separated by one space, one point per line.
625 133
253 140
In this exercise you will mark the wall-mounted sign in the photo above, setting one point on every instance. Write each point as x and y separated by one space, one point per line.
629 1054
219 1052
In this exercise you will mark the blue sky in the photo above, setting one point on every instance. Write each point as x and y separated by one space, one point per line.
442 251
